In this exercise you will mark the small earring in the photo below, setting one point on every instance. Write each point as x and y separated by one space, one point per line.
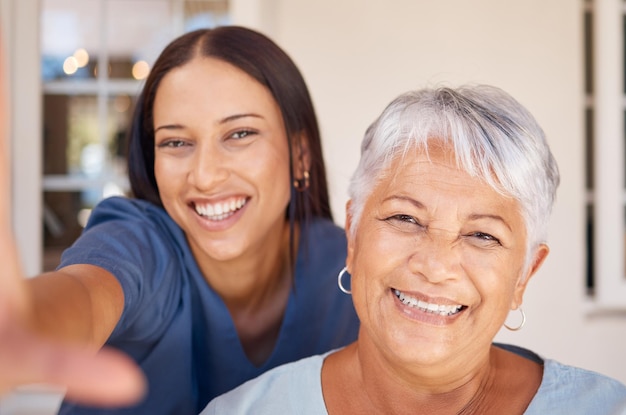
520 324
340 283
302 184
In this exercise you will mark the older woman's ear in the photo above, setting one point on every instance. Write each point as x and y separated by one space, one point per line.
540 255
349 234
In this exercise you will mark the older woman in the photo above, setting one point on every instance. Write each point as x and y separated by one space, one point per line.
446 224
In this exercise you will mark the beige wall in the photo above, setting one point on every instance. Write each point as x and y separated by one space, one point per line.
357 55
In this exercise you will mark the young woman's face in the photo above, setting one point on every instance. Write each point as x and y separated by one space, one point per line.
437 263
221 158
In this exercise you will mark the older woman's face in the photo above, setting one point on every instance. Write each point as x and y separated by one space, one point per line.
436 262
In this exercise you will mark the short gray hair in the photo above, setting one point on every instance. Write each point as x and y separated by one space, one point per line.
494 138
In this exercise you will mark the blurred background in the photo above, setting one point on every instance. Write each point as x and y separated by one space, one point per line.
75 68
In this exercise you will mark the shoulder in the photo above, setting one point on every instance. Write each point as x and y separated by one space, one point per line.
125 228
146 251
291 388
322 243
321 228
131 222
124 208
121 203
569 389
558 375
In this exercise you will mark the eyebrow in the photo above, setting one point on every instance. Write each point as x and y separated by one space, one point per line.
498 218
223 121
473 216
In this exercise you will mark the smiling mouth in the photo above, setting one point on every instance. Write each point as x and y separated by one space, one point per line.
220 211
439 309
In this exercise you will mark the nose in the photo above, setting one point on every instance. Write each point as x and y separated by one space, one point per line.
210 167
436 257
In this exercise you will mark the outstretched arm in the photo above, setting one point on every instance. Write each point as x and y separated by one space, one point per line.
27 354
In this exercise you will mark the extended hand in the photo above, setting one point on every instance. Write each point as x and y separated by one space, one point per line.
104 378
107 378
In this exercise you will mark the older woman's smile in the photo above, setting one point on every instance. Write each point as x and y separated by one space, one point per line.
428 307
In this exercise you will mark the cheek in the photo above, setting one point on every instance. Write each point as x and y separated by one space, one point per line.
376 258
363 296
493 277
170 176
164 174
270 164
382 245
159 174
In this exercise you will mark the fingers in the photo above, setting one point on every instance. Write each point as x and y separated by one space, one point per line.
5 194
9 284
107 378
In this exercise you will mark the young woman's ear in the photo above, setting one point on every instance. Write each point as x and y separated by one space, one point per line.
301 156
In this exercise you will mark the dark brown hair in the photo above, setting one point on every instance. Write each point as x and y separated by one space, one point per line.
262 59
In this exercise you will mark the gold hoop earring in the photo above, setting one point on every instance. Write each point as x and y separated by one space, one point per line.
302 184
519 327
340 283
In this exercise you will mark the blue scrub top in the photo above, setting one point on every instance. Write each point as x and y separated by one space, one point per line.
179 330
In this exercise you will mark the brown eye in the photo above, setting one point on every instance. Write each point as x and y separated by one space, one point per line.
405 221
172 143
238 135
485 237
404 218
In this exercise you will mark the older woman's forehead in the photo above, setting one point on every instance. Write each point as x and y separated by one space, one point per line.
439 169
435 151
444 199
444 150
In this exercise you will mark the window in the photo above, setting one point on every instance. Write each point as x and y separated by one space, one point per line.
94 57
605 111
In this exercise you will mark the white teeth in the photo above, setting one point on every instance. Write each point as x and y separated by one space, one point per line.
220 211
444 310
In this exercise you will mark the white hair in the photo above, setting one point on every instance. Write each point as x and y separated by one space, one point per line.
493 136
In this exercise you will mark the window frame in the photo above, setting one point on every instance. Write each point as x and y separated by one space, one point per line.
608 196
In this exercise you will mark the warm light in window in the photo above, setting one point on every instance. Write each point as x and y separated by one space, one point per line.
70 66
82 57
141 69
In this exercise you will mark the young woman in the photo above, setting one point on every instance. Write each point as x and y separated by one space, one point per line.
222 264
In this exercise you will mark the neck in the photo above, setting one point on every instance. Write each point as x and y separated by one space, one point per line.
500 382
244 282
255 288
444 390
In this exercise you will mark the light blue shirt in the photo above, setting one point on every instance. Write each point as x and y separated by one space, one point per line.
296 388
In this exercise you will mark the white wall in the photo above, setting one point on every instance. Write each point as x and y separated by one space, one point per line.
20 33
357 55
